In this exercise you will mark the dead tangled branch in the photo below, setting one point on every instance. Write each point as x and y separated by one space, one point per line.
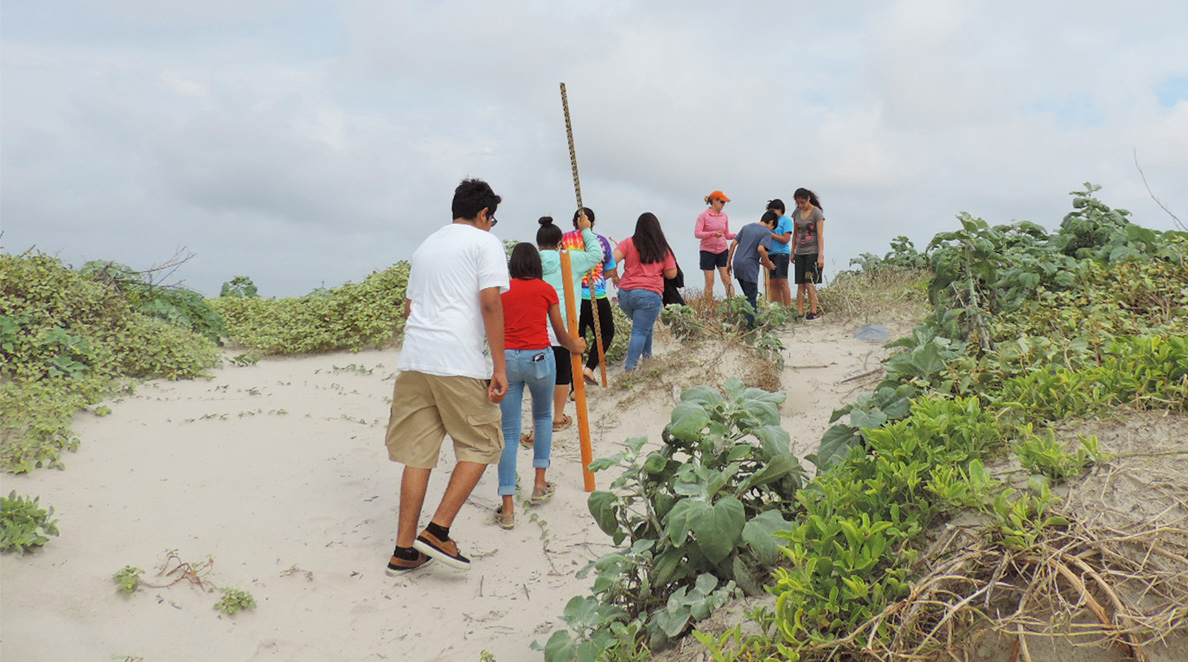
175 570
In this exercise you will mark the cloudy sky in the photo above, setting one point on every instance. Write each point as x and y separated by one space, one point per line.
307 143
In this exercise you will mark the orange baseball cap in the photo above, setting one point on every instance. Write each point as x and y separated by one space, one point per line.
718 195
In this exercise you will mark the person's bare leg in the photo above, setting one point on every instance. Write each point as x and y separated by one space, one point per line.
726 282
509 505
413 484
560 396
708 292
800 299
540 477
812 294
466 475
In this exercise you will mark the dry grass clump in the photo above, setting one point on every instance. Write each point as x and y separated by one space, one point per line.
699 362
874 295
1116 577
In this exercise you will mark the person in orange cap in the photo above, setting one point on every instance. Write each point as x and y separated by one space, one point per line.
713 229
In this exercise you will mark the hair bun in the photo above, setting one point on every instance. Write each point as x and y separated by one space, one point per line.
546 220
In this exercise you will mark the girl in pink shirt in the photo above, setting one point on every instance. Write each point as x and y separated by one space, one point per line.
713 229
648 261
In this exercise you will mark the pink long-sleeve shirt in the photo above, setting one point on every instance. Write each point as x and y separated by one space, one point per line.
707 224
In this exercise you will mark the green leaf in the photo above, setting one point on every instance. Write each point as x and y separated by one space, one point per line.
759 534
602 507
679 522
744 577
702 394
718 529
688 420
928 360
777 468
867 419
776 440
835 445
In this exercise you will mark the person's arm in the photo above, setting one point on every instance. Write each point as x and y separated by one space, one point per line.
821 243
782 238
764 259
590 256
567 341
726 232
670 273
730 256
700 230
492 308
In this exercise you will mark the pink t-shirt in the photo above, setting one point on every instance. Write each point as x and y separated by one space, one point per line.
707 224
639 276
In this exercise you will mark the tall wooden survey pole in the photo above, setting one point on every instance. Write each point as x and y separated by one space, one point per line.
579 384
577 190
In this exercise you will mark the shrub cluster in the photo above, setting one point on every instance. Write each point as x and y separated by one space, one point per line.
1028 330
66 340
350 317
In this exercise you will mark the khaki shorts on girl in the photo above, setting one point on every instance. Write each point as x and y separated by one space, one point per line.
425 408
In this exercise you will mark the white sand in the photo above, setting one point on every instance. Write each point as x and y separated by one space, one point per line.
215 468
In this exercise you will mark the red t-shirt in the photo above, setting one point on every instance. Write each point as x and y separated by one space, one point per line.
526 313
638 276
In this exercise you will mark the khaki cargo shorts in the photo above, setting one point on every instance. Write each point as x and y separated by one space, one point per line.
425 408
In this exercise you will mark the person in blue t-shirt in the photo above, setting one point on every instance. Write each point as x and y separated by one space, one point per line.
781 255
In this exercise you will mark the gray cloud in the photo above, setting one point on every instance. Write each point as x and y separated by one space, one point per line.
309 166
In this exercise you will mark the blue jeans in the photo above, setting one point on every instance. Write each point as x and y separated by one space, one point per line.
643 307
537 369
751 291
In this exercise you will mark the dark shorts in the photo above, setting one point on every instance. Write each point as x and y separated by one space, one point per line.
781 263
806 269
564 366
711 261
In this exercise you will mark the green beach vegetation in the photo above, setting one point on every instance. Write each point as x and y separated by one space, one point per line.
1029 331
1023 333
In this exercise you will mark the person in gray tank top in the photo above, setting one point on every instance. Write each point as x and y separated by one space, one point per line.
808 249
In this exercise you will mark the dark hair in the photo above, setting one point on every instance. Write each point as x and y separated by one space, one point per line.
775 204
769 217
805 194
589 214
649 239
525 262
548 235
471 197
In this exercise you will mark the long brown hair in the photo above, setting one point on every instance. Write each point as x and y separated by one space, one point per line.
649 239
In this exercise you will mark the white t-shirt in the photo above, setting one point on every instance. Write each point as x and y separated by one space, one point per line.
444 334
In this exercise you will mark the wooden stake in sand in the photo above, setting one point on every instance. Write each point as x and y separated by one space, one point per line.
579 384
577 191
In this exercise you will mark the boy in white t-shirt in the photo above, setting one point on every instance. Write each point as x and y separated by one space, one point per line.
445 384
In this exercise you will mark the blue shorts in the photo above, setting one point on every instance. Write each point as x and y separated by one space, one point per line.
781 261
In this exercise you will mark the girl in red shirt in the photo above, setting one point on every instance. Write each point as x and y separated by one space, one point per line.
527 304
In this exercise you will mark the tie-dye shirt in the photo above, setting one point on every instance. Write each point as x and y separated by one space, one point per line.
572 241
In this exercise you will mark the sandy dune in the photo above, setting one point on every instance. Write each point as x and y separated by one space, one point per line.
279 472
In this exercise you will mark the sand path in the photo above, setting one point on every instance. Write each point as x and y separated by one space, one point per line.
278 471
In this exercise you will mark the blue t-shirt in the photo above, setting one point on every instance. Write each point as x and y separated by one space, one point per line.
784 226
